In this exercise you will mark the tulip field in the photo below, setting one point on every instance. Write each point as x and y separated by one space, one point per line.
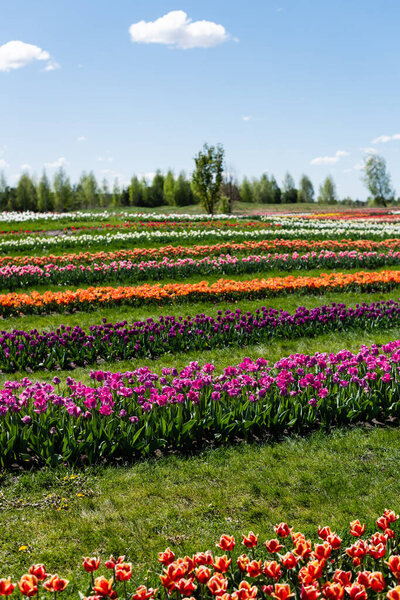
175 389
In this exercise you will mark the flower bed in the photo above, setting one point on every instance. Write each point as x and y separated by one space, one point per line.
286 566
222 290
68 347
125 415
14 276
138 254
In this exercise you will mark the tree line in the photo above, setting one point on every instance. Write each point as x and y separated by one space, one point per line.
210 185
61 195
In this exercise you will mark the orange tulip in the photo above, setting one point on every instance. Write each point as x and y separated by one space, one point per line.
55 584
289 560
383 523
166 557
142 593
222 564
394 565
28 585
343 577
357 592
356 528
245 591
282 591
272 569
226 543
91 564
311 571
39 571
309 592
103 586
123 571
203 558
254 568
250 541
6 587
273 546
377 582
333 591
394 593
202 574
283 530
242 562
186 586
322 551
217 584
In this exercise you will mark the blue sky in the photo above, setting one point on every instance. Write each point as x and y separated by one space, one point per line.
305 86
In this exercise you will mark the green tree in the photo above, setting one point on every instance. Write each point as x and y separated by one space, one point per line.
116 194
183 194
246 191
91 190
156 190
289 191
62 191
4 191
169 188
44 194
276 192
306 190
377 179
104 194
263 190
327 192
135 192
207 177
26 198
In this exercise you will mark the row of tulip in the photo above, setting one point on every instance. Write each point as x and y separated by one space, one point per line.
245 248
68 347
14 277
126 415
285 566
292 231
92 298
105 215
336 227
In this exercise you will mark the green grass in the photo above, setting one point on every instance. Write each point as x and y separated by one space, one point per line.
187 503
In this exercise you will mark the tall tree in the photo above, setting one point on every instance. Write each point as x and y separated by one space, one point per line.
183 194
62 191
90 190
377 179
289 191
169 188
135 192
156 191
44 194
26 198
306 190
4 189
246 191
207 176
327 192
104 194
116 194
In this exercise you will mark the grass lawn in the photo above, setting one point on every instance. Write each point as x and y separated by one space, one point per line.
187 503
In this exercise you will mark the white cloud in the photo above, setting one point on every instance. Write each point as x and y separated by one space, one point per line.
247 118
108 159
329 160
17 54
177 30
357 167
60 162
25 167
81 138
384 139
369 150
3 163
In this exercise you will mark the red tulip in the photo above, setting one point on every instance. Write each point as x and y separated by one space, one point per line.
38 571
28 585
123 571
6 587
356 528
91 564
273 546
226 543
282 591
55 584
251 540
